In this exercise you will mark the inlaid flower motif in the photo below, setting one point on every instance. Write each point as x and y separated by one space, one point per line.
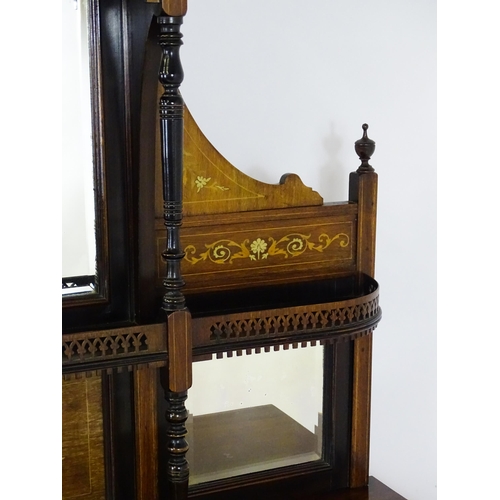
201 182
292 245
258 246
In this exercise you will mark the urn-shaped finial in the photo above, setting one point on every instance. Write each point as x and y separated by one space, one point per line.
365 148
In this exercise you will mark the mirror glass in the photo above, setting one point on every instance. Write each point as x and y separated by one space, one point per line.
255 412
78 202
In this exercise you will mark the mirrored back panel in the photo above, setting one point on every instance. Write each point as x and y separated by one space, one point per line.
253 413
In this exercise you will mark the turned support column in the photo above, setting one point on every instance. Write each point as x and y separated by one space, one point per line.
176 376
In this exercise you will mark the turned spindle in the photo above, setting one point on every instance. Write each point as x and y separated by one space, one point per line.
176 376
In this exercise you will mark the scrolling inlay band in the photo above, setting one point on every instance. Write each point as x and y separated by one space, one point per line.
225 251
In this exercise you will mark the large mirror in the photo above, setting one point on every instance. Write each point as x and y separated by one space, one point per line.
80 154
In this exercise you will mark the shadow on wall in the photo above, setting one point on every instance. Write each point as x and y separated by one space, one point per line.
333 174
332 180
263 174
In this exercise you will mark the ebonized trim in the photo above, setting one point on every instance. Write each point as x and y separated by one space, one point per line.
122 30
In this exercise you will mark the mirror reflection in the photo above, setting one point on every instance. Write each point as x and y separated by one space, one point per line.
266 414
78 205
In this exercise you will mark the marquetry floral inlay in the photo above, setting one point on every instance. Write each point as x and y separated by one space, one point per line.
225 251
203 182
258 248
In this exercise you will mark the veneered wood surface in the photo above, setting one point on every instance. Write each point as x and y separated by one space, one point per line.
264 247
363 190
360 444
174 7
146 433
83 474
367 213
212 185
180 348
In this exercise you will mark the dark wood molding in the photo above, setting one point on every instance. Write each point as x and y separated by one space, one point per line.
119 436
117 348
171 110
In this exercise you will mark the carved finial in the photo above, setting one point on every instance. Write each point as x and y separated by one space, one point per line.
365 148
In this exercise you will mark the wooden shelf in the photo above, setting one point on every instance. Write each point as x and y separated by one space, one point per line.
232 443
320 310
237 442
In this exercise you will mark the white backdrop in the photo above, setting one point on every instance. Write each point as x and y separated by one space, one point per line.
284 86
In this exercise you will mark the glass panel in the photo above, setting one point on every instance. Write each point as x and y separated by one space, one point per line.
254 413
78 214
